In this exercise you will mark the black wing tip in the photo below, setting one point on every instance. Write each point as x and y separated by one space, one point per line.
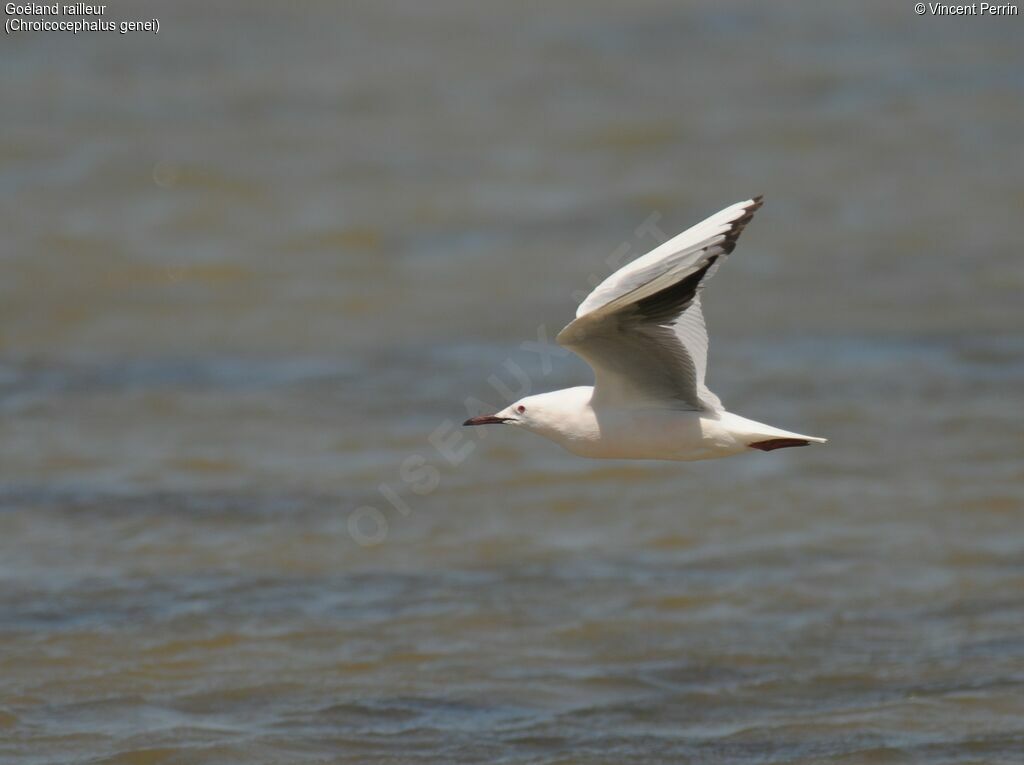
737 226
756 203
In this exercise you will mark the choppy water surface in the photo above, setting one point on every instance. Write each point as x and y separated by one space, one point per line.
250 265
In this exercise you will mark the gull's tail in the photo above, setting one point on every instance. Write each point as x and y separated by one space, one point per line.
785 442
757 435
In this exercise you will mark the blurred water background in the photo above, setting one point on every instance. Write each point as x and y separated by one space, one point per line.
253 267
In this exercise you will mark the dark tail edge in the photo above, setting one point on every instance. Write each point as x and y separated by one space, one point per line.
778 443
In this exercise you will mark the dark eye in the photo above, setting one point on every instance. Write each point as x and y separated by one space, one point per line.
520 409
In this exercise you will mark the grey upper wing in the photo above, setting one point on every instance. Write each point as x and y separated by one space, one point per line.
643 332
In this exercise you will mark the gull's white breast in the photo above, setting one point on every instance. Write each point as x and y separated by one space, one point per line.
652 434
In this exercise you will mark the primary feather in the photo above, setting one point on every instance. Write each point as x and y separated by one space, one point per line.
642 330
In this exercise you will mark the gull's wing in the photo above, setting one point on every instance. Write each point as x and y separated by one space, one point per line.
642 330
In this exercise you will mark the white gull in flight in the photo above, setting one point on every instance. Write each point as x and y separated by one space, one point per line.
642 332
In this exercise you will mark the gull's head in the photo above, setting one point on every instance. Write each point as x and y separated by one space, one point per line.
534 413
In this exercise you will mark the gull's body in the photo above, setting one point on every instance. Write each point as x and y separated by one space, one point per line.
642 331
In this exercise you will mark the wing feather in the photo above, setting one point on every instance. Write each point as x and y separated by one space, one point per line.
642 330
